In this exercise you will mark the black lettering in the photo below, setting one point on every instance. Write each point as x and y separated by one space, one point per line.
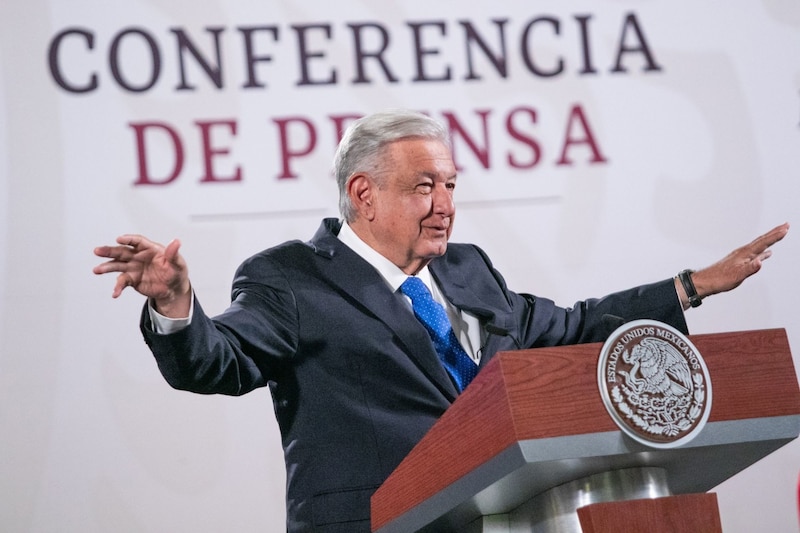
55 67
155 60
213 72
583 23
361 54
527 54
305 55
420 51
250 57
640 46
498 60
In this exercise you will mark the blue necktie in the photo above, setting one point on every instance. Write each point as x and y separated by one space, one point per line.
433 316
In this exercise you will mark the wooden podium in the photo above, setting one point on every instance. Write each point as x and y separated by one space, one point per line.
532 427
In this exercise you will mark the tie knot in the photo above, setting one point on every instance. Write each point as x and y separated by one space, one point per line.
414 288
427 310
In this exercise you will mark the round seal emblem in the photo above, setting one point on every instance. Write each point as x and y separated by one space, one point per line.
654 383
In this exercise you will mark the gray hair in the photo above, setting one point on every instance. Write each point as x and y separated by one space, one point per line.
363 143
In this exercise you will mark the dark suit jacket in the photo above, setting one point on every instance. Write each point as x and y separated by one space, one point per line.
354 377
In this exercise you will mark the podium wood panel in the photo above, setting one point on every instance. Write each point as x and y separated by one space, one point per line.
687 513
549 393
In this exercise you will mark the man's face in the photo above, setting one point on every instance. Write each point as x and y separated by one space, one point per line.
413 207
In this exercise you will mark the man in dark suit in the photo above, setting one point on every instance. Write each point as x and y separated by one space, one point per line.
326 324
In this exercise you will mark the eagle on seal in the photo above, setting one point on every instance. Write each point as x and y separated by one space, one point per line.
662 368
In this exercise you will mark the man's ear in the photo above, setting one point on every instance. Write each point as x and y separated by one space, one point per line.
361 189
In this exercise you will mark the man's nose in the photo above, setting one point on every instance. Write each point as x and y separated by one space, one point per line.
443 200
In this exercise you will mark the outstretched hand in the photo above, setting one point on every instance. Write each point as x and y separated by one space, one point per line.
729 272
153 270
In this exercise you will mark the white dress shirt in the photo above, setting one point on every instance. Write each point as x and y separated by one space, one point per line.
465 325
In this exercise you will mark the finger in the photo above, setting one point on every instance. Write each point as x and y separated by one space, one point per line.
137 242
114 265
123 281
781 231
130 244
763 256
131 239
771 237
119 255
171 252
761 244
102 268
112 252
755 264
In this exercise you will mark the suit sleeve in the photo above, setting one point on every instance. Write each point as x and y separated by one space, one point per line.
539 322
241 349
543 323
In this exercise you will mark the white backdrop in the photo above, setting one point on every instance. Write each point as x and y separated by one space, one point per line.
669 135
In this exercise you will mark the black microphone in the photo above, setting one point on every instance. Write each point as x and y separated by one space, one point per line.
612 322
502 332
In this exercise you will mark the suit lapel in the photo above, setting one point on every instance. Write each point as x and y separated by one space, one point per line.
358 280
462 294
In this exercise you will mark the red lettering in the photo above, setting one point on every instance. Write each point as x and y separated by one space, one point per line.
210 152
145 178
536 151
455 127
161 152
287 153
577 117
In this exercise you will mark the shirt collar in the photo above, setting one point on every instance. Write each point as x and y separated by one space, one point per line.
390 272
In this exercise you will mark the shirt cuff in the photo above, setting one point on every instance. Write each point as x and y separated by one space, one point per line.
165 325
